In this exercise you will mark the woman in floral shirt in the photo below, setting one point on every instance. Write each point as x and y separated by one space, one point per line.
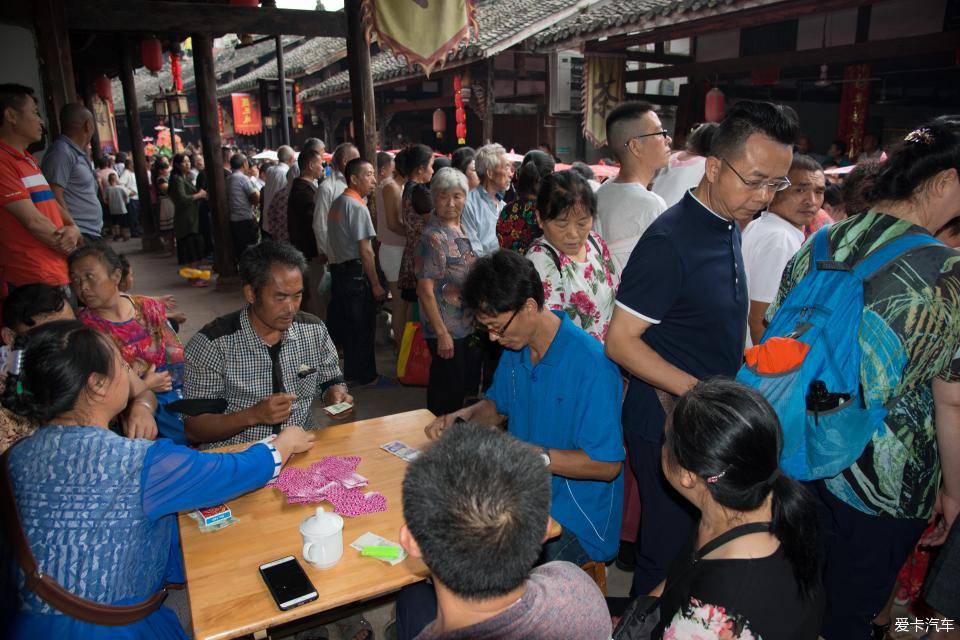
518 226
573 261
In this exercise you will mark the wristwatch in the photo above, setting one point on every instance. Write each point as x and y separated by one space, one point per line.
545 454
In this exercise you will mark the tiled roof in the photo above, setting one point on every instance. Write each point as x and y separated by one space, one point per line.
503 23
619 15
316 52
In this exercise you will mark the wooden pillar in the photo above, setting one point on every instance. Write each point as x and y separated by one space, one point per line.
56 62
690 106
150 241
224 260
490 104
284 110
361 84
86 88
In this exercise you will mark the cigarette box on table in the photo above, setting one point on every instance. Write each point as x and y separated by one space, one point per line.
212 515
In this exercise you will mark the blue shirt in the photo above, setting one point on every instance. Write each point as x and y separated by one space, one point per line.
570 400
686 278
68 166
479 220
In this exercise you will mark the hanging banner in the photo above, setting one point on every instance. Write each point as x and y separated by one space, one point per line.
246 114
297 107
854 99
106 124
220 118
421 31
603 89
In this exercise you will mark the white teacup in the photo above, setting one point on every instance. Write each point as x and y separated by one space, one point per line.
322 539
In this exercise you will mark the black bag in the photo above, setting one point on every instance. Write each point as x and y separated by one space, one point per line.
642 616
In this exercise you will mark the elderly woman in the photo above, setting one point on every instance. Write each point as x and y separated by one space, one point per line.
484 203
443 260
573 261
518 226
137 325
99 511
186 216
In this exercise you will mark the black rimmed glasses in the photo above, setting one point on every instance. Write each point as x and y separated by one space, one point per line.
663 132
756 185
502 330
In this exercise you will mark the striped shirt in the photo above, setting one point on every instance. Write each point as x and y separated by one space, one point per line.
23 258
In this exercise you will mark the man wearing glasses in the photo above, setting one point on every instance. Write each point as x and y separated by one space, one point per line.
681 311
625 207
560 394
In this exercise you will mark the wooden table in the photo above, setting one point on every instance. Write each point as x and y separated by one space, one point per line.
228 598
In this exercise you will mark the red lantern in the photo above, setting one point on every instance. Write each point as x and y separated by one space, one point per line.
104 88
461 116
458 100
439 122
462 133
715 106
152 52
457 84
176 72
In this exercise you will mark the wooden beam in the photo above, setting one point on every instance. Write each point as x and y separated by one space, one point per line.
490 104
653 98
56 63
653 56
361 84
150 240
416 105
224 260
844 54
163 16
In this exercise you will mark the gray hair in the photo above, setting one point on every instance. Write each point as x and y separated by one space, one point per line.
488 159
284 154
446 179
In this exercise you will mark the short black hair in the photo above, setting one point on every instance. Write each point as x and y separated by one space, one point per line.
700 139
14 96
237 161
462 158
840 145
306 157
29 301
501 282
802 161
477 504
747 117
562 191
257 260
383 160
103 251
833 195
353 168
536 166
627 111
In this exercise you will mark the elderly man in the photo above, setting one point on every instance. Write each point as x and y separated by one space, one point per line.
484 203
625 207
70 174
242 195
275 180
267 361
330 189
771 240
681 309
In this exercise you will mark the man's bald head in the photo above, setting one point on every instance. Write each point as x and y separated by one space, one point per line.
74 117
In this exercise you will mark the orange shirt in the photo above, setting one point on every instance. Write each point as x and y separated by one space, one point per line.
23 258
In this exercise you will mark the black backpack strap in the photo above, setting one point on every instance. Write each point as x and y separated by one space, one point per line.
732 534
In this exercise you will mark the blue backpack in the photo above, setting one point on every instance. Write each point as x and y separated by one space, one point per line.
808 363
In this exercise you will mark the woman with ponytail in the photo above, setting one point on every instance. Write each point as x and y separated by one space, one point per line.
518 226
758 537
99 511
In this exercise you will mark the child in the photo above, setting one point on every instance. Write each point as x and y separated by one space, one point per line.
117 198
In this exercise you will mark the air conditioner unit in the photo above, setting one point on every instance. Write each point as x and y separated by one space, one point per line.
566 82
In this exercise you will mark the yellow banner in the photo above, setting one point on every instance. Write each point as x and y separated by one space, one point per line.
603 89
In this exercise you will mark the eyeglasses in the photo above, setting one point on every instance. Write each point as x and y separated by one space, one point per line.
498 332
662 132
757 185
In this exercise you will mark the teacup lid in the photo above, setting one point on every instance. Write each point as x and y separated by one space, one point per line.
324 523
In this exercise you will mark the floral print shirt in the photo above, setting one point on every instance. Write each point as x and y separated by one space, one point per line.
517 226
445 255
585 291
704 621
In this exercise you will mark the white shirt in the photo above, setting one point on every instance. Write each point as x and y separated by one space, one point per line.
624 211
128 180
678 177
275 179
768 244
330 189
479 221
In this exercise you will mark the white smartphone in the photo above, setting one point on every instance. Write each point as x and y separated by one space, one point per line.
288 583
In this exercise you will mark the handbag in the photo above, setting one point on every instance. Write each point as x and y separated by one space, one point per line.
51 591
413 363
642 616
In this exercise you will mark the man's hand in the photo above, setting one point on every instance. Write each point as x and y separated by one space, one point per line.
436 428
291 440
68 238
379 293
157 381
273 409
445 346
336 394
140 423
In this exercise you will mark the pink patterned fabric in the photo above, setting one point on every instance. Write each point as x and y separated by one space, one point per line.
335 480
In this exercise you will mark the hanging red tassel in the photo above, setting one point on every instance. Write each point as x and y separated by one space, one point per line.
175 71
460 113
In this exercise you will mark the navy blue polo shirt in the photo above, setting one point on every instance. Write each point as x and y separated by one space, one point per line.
686 278
570 400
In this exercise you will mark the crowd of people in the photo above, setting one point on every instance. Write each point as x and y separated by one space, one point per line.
601 326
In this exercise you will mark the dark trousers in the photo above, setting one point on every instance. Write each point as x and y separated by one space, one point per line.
452 380
133 217
666 520
245 234
862 555
206 228
352 319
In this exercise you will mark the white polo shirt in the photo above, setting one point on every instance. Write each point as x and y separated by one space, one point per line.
624 211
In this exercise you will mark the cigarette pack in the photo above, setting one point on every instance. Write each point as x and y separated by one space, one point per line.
212 515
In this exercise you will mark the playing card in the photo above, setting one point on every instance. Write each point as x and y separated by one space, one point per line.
373 540
401 450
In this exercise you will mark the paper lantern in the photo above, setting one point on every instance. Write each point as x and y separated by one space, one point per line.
152 52
461 116
104 88
457 83
458 100
461 133
439 122
715 106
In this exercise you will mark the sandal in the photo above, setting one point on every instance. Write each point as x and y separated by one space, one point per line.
354 628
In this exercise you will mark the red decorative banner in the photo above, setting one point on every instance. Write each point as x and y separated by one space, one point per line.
422 31
176 72
297 107
220 117
246 114
854 100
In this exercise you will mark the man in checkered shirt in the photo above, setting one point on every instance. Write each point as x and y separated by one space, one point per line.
267 361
